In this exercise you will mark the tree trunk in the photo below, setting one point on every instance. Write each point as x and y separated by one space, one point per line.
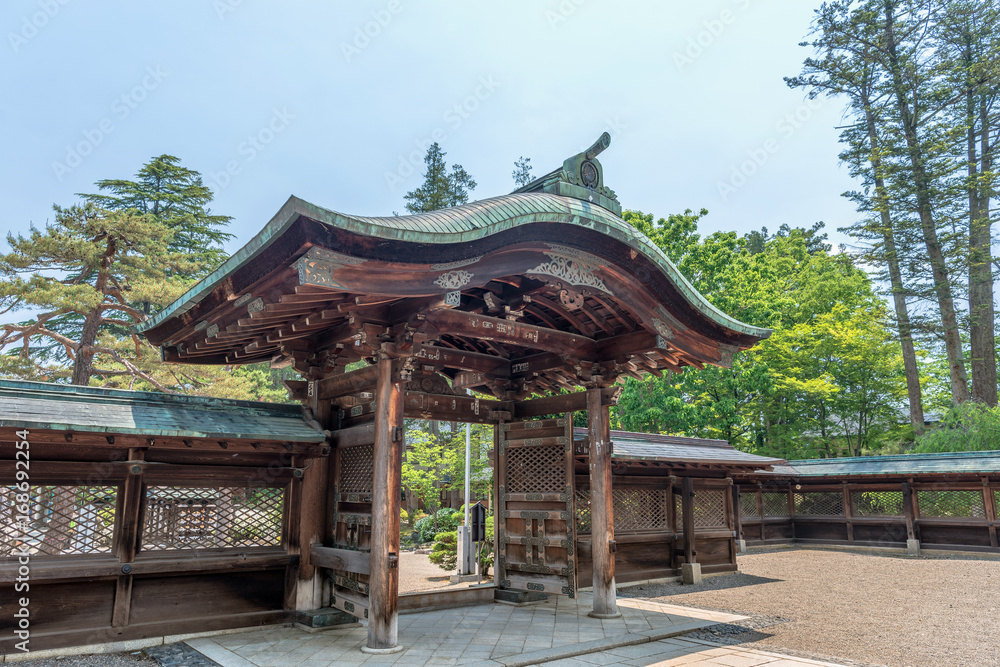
896 279
83 365
982 339
921 180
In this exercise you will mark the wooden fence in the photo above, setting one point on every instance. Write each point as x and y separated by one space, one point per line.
951 515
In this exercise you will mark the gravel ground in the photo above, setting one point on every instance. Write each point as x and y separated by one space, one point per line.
417 573
860 608
136 659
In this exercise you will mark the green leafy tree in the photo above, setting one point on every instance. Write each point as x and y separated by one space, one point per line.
426 459
772 400
440 189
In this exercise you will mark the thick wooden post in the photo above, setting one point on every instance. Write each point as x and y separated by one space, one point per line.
384 585
687 509
991 512
848 512
127 539
312 517
602 532
737 511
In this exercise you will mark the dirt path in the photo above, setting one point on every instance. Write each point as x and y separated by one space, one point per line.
874 609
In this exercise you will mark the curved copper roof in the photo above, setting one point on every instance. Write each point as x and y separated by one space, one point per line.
548 282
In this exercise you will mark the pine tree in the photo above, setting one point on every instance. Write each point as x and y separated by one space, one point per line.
522 171
175 196
84 273
440 189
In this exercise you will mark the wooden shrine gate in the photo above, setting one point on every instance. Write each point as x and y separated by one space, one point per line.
535 535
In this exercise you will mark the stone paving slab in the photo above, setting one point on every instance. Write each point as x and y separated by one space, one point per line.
490 634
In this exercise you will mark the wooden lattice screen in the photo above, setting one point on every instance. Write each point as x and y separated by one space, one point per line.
636 509
211 517
709 508
877 503
964 504
62 519
819 504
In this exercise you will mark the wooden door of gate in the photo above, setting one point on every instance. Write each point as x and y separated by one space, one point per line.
353 483
536 511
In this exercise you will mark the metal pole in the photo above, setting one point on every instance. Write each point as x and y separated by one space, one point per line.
468 468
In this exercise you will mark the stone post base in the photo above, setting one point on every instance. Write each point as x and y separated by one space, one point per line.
741 546
912 547
691 573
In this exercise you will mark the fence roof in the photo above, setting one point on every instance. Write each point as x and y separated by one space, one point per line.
902 464
629 446
40 405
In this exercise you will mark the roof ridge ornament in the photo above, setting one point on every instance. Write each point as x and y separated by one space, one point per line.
581 177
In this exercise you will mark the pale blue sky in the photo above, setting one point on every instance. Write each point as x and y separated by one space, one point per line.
337 116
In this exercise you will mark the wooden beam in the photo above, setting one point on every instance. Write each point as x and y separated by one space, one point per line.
353 436
450 408
460 323
340 559
361 379
553 405
444 357
601 507
384 583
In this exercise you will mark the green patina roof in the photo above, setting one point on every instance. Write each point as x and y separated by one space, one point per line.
903 464
458 225
40 405
631 446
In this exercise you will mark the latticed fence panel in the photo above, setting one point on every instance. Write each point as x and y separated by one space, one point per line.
819 504
996 503
968 504
775 504
583 523
60 519
638 508
357 471
202 518
536 469
748 504
877 503
709 509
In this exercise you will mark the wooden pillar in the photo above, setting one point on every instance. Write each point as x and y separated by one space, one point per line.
498 521
687 509
127 539
312 517
737 512
384 585
908 512
848 512
602 533
991 512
